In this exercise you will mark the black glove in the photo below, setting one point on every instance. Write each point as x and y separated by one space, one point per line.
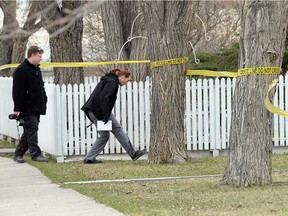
106 119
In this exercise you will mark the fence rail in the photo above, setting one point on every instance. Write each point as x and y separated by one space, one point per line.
63 130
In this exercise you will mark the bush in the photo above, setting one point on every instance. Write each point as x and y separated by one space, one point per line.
225 60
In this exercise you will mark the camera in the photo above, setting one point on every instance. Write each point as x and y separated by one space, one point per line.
12 116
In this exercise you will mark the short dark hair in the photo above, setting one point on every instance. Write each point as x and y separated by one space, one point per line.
34 50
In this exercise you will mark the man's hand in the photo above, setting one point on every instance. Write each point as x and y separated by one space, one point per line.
17 113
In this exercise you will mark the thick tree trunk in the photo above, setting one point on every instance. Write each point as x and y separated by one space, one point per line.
117 18
6 42
264 25
66 43
14 39
168 27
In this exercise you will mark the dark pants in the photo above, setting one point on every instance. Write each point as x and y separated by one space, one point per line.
29 138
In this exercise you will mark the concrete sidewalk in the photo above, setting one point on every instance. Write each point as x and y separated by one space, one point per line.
25 191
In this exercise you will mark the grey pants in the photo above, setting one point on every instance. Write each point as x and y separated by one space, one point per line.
103 137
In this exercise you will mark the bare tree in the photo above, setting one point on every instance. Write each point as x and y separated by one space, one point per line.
6 44
169 26
263 35
220 20
118 17
14 38
65 28
168 32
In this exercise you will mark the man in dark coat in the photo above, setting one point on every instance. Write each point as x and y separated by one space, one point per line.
99 107
30 100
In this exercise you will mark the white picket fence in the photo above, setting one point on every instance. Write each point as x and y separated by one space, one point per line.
208 113
63 130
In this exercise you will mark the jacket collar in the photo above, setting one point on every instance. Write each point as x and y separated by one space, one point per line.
31 65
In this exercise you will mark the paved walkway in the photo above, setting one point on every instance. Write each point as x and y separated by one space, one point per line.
25 191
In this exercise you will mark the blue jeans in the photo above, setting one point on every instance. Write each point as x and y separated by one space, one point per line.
29 138
103 137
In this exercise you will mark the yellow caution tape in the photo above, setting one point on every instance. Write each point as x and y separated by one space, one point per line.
259 70
241 72
268 103
211 73
77 64
8 66
89 64
248 71
169 62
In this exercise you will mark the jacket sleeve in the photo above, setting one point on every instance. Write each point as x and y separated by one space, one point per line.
106 97
18 90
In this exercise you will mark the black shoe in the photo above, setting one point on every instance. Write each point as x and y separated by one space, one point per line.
138 154
92 161
19 159
40 158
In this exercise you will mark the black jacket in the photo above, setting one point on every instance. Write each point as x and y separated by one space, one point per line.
28 90
103 97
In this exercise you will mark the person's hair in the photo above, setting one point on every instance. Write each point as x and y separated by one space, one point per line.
120 72
34 50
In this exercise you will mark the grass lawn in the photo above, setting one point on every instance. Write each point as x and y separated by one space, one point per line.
5 144
195 196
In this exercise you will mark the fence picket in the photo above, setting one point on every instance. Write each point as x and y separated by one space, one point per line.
281 106
217 116
147 113
129 112
207 115
276 120
63 106
188 114
286 109
76 119
223 113
212 115
194 116
135 112
59 119
82 120
229 106
70 120
141 113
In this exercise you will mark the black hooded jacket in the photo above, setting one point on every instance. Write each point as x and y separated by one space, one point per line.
28 90
103 97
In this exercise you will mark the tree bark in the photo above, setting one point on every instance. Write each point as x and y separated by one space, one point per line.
6 42
168 33
117 18
263 35
14 39
66 42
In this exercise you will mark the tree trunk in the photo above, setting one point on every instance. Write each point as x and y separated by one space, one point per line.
264 25
6 42
117 18
30 27
168 29
66 42
14 39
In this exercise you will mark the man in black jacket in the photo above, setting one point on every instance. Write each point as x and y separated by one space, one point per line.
99 107
30 100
